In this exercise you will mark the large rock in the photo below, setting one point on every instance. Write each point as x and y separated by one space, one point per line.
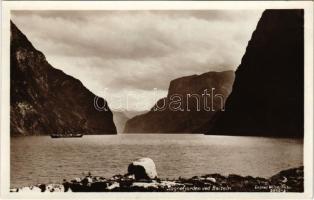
143 169
190 118
268 92
45 100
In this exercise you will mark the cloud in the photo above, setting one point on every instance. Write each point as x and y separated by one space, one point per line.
138 50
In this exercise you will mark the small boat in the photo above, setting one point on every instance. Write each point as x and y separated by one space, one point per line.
71 135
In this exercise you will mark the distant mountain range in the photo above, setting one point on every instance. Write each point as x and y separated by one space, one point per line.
120 118
190 104
45 100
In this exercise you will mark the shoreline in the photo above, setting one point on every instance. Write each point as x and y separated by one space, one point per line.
289 180
181 133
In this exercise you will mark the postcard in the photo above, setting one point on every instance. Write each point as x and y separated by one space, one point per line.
163 100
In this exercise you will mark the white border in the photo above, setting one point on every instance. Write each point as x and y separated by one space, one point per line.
7 6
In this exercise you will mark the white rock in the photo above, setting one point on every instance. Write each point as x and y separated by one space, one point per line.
143 168
77 179
211 179
113 185
131 176
169 183
29 189
145 185
14 190
54 188
285 180
89 180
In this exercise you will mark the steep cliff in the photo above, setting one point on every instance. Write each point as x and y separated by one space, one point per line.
45 100
267 95
188 107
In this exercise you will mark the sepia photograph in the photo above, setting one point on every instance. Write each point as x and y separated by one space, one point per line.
131 99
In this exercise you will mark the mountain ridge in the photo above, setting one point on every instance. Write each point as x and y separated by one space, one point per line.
45 100
183 110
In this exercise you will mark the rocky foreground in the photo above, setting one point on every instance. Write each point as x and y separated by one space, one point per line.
142 177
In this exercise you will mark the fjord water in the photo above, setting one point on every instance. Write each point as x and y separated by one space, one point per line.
40 159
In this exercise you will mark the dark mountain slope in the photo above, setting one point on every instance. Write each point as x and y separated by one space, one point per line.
267 96
45 100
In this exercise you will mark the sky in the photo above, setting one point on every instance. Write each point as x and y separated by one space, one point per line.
130 57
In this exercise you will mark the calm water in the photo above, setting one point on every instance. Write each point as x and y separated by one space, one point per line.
40 159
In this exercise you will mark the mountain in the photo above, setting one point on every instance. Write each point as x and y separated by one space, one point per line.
268 92
120 118
133 113
188 107
44 100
